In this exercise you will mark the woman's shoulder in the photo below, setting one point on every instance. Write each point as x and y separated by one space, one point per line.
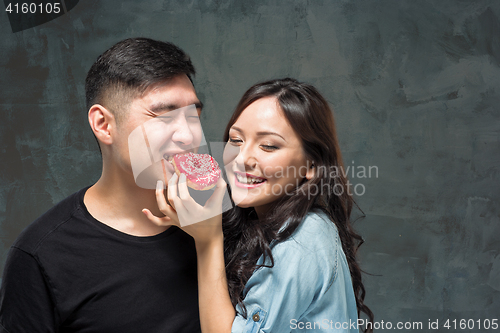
318 220
299 283
315 230
315 237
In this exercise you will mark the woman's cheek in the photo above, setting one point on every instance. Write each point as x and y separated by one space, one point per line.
270 172
230 154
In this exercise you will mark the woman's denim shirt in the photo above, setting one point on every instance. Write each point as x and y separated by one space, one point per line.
309 289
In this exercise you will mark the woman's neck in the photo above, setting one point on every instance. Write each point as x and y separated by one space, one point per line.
263 210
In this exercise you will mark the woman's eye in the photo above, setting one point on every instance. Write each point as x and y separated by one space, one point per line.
269 147
235 141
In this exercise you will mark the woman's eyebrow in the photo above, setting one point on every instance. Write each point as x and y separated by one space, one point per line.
263 133
236 129
260 133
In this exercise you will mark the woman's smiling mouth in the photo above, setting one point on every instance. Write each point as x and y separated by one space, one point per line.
247 180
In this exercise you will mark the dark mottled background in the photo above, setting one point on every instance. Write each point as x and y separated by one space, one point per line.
416 90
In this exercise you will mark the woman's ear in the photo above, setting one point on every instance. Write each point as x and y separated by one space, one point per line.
102 122
311 170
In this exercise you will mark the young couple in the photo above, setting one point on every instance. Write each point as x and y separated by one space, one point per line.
113 257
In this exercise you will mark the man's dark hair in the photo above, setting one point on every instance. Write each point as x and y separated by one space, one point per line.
129 67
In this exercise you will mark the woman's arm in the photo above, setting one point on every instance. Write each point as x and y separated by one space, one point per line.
216 310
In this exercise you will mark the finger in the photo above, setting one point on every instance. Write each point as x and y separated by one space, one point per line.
172 188
217 197
170 202
166 172
187 201
161 221
183 189
172 193
162 202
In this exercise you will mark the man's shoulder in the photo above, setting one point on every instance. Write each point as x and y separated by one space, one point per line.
49 222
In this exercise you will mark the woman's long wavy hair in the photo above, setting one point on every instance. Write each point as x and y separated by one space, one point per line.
311 118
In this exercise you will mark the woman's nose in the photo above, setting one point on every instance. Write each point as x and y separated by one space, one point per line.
247 158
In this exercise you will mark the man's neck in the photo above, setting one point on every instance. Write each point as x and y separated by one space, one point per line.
118 203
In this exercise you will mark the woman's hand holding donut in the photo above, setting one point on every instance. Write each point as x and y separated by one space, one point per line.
203 223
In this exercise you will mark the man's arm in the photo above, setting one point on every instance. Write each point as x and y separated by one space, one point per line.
26 302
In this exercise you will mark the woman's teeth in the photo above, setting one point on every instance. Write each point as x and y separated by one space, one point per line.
248 180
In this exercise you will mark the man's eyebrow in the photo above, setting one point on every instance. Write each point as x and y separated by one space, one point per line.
160 107
260 133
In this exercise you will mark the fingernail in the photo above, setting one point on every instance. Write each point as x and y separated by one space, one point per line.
159 185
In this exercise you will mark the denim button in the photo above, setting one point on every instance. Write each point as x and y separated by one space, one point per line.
256 317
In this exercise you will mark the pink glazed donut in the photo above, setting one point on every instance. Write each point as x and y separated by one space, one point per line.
201 170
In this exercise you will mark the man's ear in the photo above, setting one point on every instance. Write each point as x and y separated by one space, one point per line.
102 122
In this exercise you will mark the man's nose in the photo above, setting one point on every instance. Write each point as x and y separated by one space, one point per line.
182 132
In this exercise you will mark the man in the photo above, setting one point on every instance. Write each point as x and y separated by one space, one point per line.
94 262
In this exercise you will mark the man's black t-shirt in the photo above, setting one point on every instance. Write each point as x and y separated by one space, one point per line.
68 272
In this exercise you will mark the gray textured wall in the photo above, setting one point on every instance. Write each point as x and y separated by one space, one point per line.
415 86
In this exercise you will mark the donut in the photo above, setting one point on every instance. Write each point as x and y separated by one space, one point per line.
201 170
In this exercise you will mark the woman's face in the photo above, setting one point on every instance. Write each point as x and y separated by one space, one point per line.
264 158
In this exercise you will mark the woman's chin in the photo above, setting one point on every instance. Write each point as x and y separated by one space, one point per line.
242 203
252 203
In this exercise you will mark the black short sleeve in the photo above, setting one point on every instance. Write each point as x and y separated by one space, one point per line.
25 301
67 272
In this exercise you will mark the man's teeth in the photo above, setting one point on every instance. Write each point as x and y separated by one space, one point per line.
248 180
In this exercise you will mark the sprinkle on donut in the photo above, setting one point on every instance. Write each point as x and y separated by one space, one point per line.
201 170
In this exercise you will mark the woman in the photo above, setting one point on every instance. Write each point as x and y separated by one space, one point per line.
287 248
